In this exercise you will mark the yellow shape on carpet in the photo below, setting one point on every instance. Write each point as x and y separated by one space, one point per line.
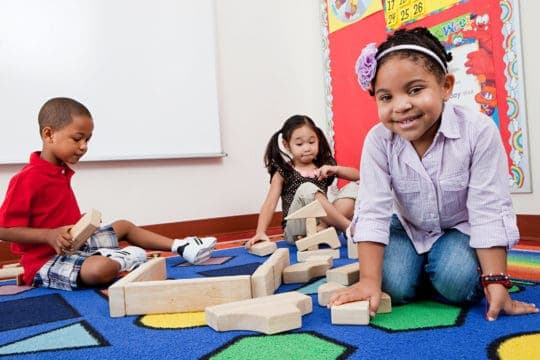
173 321
522 347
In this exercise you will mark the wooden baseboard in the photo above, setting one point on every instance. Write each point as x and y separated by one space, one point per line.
243 226
224 228
529 229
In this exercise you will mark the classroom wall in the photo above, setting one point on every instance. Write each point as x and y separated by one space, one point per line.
269 67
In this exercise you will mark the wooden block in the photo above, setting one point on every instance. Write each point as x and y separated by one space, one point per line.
311 226
269 314
386 304
306 254
327 236
84 228
312 210
154 269
353 313
352 248
267 278
182 295
344 275
280 259
262 281
326 290
305 271
12 272
325 257
263 248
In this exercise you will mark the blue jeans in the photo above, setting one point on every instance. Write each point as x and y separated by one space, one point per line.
449 269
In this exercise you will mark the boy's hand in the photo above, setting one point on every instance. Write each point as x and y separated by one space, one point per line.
362 290
499 300
326 171
256 238
60 239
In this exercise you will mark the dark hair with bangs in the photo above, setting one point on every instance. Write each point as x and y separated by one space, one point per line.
275 158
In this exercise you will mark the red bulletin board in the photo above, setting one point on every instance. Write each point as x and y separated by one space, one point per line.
484 38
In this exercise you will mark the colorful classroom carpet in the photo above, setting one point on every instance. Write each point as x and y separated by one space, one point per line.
44 324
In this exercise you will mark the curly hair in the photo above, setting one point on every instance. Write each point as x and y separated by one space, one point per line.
420 36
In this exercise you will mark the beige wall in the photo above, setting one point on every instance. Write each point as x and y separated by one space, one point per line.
269 67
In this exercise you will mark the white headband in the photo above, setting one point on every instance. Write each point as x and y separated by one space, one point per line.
415 48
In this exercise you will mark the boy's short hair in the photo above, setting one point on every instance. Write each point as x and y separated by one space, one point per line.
58 112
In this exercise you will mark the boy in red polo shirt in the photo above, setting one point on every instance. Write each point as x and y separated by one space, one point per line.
40 197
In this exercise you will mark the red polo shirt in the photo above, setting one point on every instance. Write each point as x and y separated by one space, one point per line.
39 196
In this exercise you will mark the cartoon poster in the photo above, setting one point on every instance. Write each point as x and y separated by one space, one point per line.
484 38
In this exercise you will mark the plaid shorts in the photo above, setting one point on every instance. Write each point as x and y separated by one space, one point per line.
62 271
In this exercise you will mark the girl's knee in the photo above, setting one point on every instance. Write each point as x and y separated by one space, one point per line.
400 295
400 291
458 288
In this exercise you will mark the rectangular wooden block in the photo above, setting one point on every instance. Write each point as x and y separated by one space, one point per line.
306 254
280 259
181 295
268 314
262 281
386 304
344 275
154 269
263 248
353 313
267 278
11 272
84 228
326 290
352 248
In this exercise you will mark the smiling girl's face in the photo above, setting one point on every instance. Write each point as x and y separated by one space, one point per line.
410 99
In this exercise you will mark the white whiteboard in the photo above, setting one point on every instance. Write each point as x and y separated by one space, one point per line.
146 70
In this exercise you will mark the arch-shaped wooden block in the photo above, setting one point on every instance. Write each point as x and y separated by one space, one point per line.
327 236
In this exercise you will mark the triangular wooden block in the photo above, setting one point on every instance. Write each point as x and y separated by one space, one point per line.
312 210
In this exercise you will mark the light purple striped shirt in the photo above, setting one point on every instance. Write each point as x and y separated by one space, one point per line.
462 182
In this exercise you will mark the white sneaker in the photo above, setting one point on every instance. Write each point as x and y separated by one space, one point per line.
129 257
196 249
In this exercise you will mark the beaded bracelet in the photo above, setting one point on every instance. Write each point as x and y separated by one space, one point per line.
501 278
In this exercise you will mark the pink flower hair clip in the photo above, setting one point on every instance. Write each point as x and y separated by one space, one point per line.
366 66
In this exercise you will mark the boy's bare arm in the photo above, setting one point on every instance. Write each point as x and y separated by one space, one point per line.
58 238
